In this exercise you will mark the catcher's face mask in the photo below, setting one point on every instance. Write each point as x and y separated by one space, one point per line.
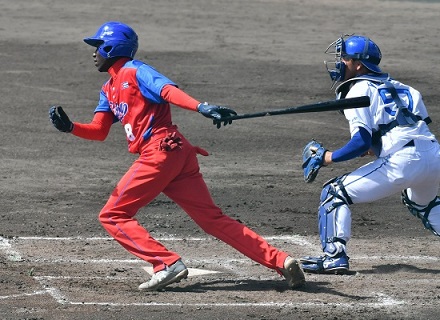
354 47
336 68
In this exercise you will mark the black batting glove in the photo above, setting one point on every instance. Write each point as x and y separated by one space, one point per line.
216 113
59 119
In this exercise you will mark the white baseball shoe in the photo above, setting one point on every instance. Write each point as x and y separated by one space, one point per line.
292 272
171 274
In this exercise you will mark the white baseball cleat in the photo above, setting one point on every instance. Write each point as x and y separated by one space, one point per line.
171 274
292 272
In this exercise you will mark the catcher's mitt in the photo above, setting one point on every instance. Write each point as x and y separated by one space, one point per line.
313 158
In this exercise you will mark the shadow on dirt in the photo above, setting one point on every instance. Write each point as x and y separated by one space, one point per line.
399 267
261 286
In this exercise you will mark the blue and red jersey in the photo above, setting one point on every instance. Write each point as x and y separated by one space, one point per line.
137 96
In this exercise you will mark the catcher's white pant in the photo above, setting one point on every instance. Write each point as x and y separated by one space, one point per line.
414 168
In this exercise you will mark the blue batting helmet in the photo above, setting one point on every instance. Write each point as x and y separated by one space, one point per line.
354 47
114 39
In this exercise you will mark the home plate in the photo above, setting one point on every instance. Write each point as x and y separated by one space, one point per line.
192 272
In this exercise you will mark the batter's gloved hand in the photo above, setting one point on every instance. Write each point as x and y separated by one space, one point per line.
59 119
313 159
217 113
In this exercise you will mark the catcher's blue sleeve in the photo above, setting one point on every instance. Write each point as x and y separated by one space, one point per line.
358 145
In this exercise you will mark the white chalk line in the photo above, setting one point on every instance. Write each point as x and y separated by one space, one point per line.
396 258
389 303
293 238
296 239
25 294
56 294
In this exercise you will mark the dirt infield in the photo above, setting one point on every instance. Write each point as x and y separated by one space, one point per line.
57 262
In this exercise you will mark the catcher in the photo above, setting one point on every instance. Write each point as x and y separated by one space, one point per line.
139 98
394 128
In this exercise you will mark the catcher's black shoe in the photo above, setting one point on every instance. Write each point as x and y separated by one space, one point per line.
325 264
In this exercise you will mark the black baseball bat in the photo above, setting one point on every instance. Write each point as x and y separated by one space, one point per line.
331 105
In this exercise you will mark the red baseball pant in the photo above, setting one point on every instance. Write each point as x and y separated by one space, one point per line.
177 174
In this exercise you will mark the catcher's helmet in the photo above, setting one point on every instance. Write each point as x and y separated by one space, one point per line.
354 47
114 39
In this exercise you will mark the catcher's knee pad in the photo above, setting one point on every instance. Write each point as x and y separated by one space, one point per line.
334 217
421 212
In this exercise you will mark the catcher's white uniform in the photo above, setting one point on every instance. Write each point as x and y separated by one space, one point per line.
408 161
415 167
395 128
408 155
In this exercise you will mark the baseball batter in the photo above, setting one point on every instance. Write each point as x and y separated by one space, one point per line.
139 97
394 128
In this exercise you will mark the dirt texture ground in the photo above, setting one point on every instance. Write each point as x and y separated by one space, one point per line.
57 262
